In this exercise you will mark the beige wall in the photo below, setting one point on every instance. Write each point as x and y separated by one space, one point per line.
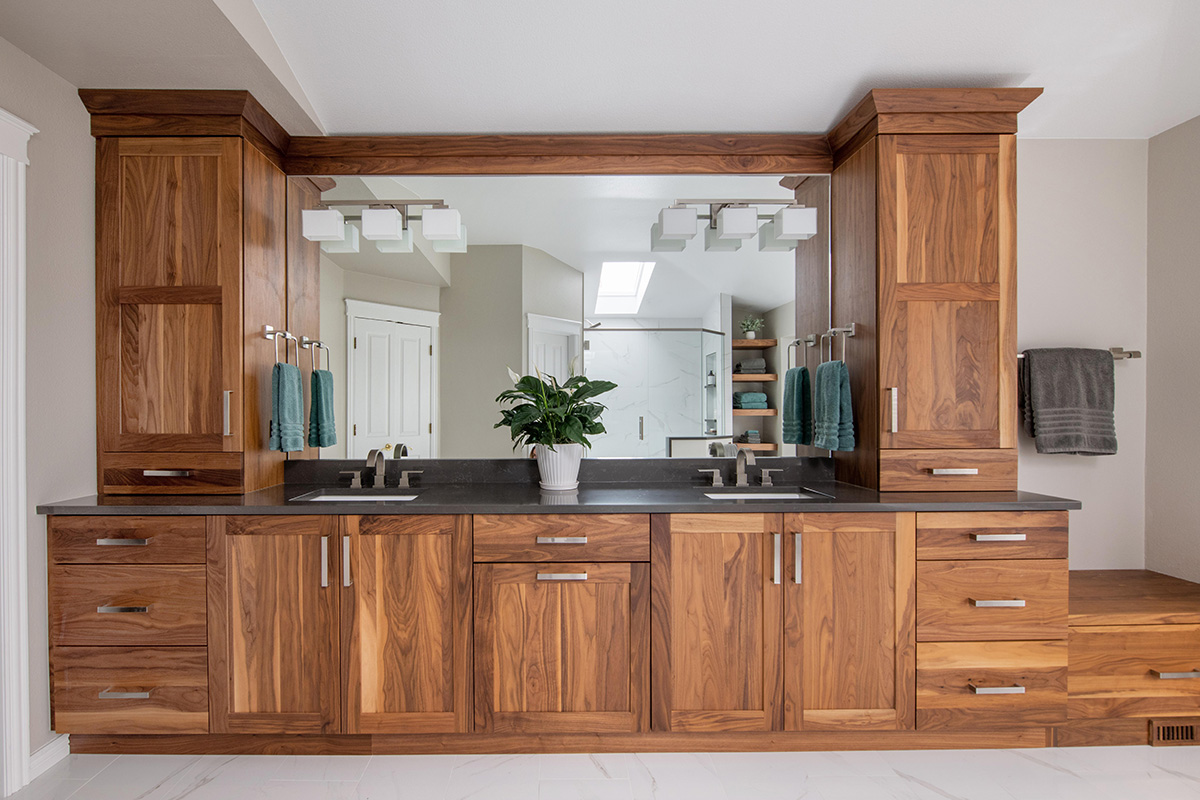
1081 254
549 287
1173 377
61 344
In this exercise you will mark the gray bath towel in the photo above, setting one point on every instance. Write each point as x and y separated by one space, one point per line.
1067 399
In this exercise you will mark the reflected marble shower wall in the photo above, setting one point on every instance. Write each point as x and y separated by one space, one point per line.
660 377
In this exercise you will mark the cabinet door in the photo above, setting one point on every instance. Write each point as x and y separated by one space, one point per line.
169 284
406 624
273 624
947 310
717 622
849 621
562 647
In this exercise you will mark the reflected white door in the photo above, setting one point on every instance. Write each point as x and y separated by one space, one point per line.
391 375
551 353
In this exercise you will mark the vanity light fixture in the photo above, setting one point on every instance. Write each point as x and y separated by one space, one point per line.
678 222
737 222
441 224
715 244
402 245
383 224
795 222
731 221
458 245
322 225
769 242
347 244
664 244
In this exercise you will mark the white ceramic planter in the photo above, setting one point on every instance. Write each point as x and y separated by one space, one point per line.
559 467
751 334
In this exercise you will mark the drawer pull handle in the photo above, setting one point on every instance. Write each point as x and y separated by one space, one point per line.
108 694
954 471
777 561
562 576
324 559
227 428
166 473
346 579
1174 676
895 415
997 603
122 609
998 537
798 577
1014 689
562 540
122 542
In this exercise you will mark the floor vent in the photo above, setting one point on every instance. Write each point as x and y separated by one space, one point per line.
1174 732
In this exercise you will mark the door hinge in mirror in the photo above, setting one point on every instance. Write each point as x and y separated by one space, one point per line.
356 429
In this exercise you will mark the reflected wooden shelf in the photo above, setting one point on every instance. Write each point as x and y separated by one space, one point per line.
769 377
753 344
756 412
763 447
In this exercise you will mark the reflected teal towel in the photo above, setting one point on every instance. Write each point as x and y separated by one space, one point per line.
321 429
833 415
797 407
287 409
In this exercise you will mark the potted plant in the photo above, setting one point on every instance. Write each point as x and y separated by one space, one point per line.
751 325
556 419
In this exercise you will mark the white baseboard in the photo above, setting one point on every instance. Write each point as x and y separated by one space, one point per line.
48 755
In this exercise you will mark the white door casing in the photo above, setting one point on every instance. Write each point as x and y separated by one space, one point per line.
553 346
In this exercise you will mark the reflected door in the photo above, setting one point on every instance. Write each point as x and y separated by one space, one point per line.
390 387
551 354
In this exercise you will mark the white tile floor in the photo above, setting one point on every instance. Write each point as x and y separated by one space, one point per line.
1094 773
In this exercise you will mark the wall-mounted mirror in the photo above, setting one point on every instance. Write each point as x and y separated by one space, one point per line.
556 273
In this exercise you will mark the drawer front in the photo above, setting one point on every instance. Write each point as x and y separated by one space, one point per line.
126 540
116 604
1135 671
562 537
991 683
125 690
974 535
171 473
947 470
991 600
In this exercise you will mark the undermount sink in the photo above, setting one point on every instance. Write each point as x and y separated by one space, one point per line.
354 496
752 494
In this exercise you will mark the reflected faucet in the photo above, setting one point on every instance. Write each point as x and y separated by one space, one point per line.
745 457
375 460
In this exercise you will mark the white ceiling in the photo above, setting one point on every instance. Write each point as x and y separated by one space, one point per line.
1111 68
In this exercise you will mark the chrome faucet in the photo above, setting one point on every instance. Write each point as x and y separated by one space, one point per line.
745 458
375 459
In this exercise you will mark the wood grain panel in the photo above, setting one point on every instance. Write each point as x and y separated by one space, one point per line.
948 535
176 679
1132 597
946 671
1101 733
1007 272
911 470
945 590
948 122
1113 671
207 473
173 596
118 540
162 295
610 537
303 285
916 292
812 281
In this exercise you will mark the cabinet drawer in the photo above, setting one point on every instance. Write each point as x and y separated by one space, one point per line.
127 604
947 470
972 535
991 600
126 540
1135 671
130 689
171 473
562 537
991 683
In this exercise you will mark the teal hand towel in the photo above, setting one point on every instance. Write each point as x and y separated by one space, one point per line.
797 407
833 415
749 397
846 410
322 431
287 409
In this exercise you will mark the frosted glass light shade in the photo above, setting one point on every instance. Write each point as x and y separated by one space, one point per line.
737 222
458 245
795 223
441 224
661 244
401 245
382 224
678 222
322 224
348 243
768 242
715 244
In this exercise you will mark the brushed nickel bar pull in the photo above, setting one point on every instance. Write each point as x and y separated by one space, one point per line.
996 603
641 428
955 471
1014 689
346 579
225 396
998 537
122 542
562 540
895 415
109 694
562 576
776 575
166 473
324 561
799 557
122 609
1174 676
